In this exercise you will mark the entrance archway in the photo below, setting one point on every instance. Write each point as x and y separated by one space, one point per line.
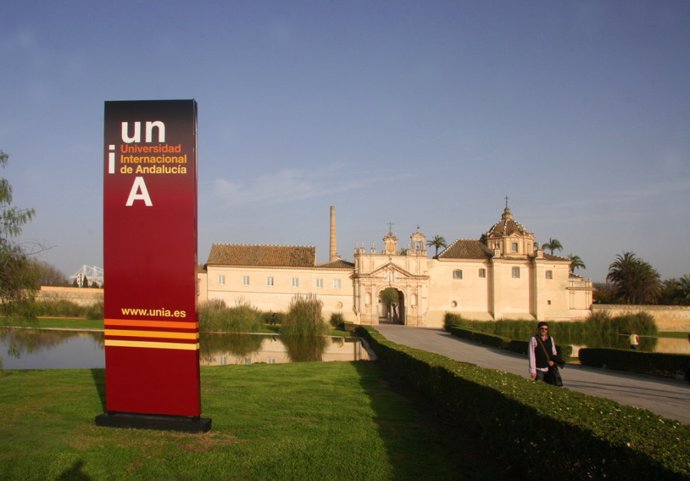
391 306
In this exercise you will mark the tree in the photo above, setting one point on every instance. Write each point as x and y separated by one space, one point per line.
676 291
437 242
16 282
604 293
48 275
576 263
635 280
552 245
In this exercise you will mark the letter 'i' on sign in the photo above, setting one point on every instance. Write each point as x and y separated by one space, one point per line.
150 262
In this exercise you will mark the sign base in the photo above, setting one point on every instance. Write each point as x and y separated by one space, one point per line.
157 422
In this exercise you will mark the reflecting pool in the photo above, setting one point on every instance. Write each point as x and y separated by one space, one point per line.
65 349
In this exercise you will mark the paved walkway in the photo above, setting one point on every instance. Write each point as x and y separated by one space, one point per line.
666 397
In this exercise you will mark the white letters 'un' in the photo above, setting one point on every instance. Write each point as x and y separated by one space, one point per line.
139 192
136 136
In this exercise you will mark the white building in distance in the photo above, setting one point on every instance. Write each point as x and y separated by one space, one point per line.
501 275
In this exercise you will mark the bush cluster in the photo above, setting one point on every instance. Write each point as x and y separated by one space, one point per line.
337 321
528 426
304 317
64 308
654 363
598 330
215 316
611 331
500 342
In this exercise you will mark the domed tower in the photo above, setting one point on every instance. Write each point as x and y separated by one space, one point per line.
508 238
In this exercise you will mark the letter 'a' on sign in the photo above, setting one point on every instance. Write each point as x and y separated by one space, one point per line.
150 264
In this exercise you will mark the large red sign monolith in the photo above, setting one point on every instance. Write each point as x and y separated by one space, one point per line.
150 262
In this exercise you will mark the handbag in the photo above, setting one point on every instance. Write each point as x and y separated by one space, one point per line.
553 375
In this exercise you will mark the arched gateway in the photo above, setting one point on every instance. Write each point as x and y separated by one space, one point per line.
390 284
391 306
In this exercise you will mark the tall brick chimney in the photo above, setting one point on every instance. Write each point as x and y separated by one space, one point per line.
333 251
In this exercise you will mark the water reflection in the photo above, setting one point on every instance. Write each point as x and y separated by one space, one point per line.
63 349
224 349
50 349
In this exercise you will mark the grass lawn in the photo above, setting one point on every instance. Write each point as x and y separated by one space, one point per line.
301 421
677 335
56 322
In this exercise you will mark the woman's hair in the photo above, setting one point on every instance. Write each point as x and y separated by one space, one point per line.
542 324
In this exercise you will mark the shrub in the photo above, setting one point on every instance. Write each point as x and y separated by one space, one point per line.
604 330
599 330
304 317
654 363
337 321
95 312
215 316
58 308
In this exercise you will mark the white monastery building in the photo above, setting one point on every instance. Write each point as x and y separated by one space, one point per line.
501 275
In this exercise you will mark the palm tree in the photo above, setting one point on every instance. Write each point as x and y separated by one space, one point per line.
437 242
635 280
676 291
576 263
552 245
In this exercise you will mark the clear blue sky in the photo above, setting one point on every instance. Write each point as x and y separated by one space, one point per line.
417 113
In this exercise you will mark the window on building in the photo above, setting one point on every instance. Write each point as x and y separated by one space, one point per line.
221 279
514 247
457 274
336 283
295 282
549 274
269 281
482 273
516 272
245 280
319 283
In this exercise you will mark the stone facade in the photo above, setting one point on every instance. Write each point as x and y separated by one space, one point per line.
78 295
502 275
268 277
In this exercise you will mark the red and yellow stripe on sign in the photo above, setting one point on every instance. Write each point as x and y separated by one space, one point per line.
149 334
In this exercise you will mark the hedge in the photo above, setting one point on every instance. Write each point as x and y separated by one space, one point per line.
654 363
528 426
500 342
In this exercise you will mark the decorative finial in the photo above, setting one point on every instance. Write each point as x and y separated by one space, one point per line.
506 201
390 227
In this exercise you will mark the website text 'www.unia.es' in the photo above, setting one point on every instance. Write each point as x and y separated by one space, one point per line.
162 312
